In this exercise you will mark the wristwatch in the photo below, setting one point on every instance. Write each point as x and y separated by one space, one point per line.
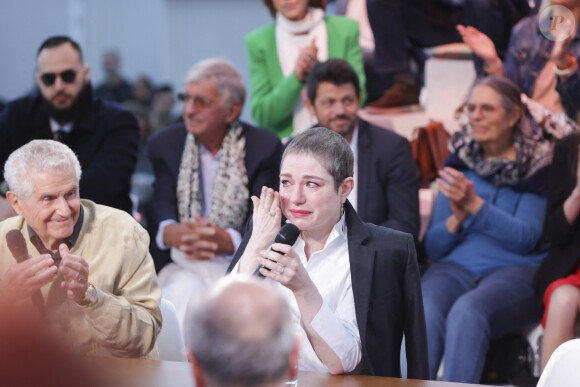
90 296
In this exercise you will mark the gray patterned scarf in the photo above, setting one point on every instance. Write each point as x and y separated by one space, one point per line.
533 142
229 200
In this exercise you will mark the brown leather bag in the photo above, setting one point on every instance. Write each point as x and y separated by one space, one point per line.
429 144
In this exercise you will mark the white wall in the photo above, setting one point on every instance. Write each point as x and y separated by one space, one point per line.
157 38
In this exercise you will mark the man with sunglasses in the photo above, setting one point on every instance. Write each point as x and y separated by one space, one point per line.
206 169
104 136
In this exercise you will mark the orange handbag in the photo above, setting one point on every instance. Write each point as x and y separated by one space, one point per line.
429 144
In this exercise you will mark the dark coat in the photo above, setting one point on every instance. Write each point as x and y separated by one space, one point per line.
564 237
105 138
262 159
388 179
387 296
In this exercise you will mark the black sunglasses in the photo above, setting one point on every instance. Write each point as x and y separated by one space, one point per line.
67 76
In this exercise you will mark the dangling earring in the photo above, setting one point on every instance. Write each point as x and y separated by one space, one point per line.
341 215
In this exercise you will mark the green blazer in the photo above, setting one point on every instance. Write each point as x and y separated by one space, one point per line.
274 97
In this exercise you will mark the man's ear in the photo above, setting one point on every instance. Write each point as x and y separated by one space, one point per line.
310 106
233 112
15 202
197 371
86 73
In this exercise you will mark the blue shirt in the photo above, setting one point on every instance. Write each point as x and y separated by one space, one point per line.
504 232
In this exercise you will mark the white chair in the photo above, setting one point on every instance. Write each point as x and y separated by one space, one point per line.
170 340
562 369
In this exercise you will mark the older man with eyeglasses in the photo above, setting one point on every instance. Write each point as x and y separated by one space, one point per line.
206 169
104 136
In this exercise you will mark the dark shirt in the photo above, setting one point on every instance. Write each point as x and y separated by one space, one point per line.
70 241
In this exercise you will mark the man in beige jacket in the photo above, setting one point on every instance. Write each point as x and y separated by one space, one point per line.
85 267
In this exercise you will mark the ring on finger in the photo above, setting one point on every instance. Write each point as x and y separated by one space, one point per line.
283 267
79 278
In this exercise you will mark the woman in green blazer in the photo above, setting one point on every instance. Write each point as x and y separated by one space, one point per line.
274 96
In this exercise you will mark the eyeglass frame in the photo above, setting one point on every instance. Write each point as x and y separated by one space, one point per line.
199 101
67 76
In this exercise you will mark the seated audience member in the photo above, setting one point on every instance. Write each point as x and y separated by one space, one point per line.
484 231
545 70
89 272
115 88
557 280
353 287
255 348
282 54
206 169
161 113
385 174
401 28
104 136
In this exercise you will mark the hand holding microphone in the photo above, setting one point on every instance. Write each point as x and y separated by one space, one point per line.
287 235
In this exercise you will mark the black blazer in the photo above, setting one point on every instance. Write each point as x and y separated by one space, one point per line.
105 138
387 296
388 180
565 238
262 159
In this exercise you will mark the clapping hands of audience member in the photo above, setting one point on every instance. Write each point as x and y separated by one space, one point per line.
462 198
75 271
483 47
307 59
560 55
199 239
22 279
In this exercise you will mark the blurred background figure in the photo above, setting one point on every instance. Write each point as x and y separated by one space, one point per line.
557 280
161 112
114 88
142 92
282 54
485 231
241 334
103 134
206 168
546 69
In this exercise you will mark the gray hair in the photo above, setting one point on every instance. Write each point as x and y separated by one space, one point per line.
241 333
39 156
329 148
509 93
223 75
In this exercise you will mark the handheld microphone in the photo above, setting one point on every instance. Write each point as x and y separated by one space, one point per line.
17 246
287 235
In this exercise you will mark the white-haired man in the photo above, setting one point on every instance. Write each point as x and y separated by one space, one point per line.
241 334
206 169
89 270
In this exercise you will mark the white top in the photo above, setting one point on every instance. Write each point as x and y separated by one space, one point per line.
291 36
335 322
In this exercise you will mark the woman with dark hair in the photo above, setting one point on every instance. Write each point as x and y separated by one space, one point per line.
353 287
484 231
557 281
282 54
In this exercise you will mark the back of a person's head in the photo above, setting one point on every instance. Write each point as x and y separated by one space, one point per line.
241 334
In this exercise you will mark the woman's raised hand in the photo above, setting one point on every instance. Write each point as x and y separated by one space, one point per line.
267 218
479 42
